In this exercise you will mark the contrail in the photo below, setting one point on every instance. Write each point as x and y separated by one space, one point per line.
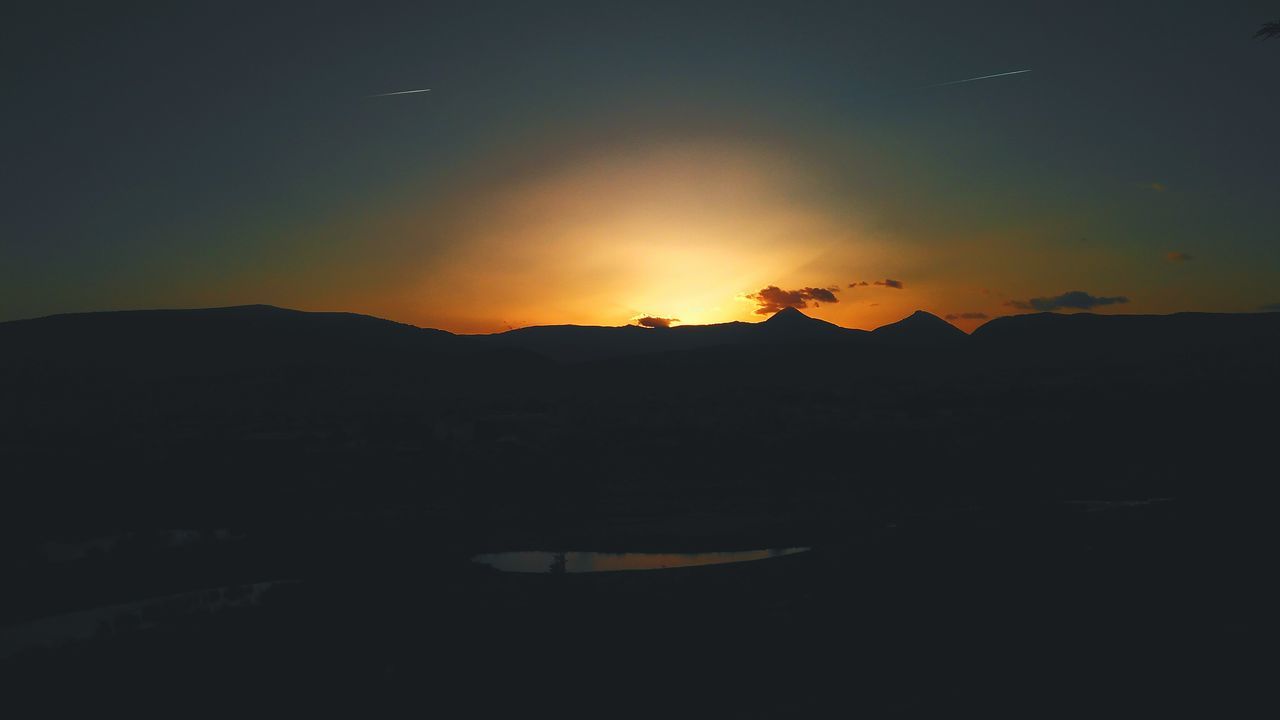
984 77
402 92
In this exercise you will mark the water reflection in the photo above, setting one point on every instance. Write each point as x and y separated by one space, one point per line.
540 561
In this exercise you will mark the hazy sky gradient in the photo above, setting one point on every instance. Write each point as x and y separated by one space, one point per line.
596 162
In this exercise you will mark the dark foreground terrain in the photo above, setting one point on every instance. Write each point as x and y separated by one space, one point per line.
254 508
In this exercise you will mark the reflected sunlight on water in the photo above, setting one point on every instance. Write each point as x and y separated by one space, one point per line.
541 561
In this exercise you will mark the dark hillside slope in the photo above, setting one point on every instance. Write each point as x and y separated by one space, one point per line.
251 336
576 343
579 343
1055 340
920 329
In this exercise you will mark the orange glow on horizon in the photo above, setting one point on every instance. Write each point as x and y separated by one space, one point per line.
675 231
681 230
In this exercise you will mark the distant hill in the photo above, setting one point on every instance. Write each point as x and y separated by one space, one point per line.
920 329
1053 338
571 343
791 320
578 343
248 336
263 336
574 343
302 424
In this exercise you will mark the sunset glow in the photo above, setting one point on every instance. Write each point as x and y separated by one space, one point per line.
794 359
671 170
674 231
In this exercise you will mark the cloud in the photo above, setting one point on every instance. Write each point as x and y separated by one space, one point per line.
772 299
1156 186
655 322
1273 307
968 316
1177 257
1073 299
895 284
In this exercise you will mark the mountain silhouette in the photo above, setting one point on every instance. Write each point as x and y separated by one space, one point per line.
791 324
577 343
1052 338
574 343
920 329
254 336
787 315
351 452
215 338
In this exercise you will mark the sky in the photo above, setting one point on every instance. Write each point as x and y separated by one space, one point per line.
598 163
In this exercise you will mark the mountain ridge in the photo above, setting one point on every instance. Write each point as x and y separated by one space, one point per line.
250 333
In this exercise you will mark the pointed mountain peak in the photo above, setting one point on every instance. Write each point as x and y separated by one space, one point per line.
791 323
788 315
922 316
920 327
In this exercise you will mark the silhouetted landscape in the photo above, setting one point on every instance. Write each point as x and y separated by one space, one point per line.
259 499
704 359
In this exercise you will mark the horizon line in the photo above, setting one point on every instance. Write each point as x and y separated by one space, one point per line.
269 306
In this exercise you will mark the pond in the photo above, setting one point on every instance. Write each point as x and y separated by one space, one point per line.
541 561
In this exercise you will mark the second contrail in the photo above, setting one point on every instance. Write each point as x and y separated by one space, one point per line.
402 92
983 77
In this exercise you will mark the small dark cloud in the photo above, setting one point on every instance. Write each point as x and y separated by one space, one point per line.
823 294
895 284
773 298
656 322
1273 307
1177 257
967 316
1073 300
1156 186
